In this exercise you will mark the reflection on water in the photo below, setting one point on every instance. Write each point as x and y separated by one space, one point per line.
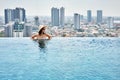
42 45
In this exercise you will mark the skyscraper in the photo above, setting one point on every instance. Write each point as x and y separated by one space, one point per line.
27 30
110 22
15 14
55 16
62 16
36 18
9 15
18 29
99 16
81 17
20 14
9 30
89 16
77 21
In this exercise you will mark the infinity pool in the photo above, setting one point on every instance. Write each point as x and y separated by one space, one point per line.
60 59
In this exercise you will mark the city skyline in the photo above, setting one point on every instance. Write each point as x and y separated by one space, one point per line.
15 14
43 8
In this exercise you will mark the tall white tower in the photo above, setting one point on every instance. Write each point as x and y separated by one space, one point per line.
27 32
99 16
110 22
77 21
62 16
89 16
55 16
9 29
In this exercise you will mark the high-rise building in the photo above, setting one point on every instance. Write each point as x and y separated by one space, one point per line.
99 16
9 30
81 17
55 16
89 16
37 23
27 30
15 14
18 29
62 16
77 21
20 14
110 22
9 15
18 26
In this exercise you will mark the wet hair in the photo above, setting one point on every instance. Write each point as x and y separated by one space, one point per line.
40 31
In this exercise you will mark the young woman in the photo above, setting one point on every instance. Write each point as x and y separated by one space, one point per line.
41 34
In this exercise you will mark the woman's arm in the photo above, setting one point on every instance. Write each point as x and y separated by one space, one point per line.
34 36
49 37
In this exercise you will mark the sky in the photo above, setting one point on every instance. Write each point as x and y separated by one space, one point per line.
43 7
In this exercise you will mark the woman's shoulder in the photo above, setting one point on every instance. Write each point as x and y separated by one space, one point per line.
34 36
47 34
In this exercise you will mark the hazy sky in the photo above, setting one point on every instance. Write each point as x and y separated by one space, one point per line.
43 7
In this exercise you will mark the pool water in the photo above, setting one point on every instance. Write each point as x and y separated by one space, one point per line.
60 59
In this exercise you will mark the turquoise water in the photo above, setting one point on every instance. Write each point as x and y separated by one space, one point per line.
60 59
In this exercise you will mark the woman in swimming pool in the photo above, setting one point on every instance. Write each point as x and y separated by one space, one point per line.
41 34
